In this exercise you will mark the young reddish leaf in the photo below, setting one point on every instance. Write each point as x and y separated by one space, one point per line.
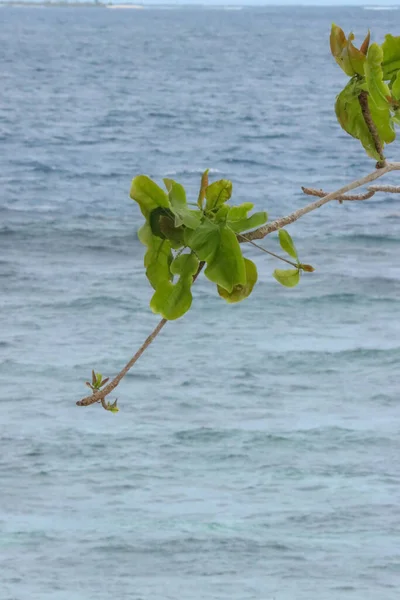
348 57
307 268
365 44
337 40
203 187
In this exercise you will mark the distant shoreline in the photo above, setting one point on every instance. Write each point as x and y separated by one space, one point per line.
16 4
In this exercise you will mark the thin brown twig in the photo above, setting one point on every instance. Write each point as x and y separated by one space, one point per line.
388 189
372 190
100 395
242 237
366 113
347 197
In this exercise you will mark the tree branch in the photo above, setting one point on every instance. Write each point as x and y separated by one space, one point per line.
322 194
100 395
373 189
388 189
265 230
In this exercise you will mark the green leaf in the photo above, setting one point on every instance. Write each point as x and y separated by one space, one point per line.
238 220
217 193
148 194
384 123
287 243
168 183
222 213
99 378
172 300
227 267
287 277
396 117
204 241
237 213
240 292
378 90
112 407
175 235
391 56
154 219
145 234
158 257
177 198
255 220
396 87
162 223
349 115
183 215
185 265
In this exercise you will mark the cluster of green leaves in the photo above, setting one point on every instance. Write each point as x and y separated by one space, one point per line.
179 236
374 69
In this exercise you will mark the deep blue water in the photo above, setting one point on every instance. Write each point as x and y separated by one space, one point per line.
256 454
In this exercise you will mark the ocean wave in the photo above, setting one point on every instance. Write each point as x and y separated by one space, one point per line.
36 166
349 355
246 161
90 302
7 231
203 434
265 136
380 7
359 299
40 208
163 115
368 238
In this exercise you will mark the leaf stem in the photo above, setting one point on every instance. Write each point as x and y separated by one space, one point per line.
289 262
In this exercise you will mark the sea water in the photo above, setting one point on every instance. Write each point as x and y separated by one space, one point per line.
256 452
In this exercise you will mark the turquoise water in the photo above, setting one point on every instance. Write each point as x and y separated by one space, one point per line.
255 456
